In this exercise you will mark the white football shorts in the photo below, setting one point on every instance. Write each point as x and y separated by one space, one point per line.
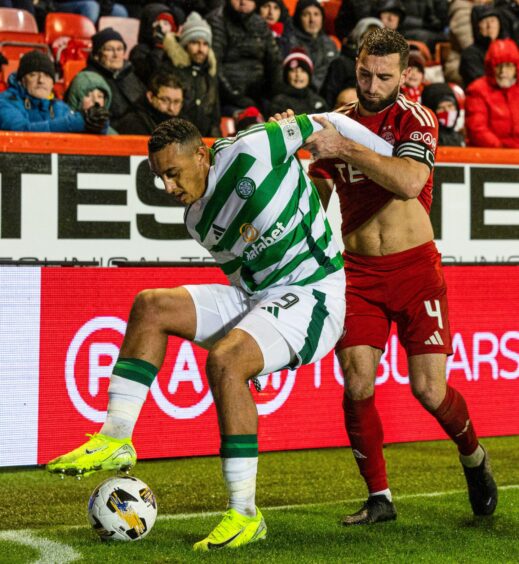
292 325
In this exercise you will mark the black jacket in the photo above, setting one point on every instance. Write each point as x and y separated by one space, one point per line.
141 120
341 75
249 61
301 100
126 89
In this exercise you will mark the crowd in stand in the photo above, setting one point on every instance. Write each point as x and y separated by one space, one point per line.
245 59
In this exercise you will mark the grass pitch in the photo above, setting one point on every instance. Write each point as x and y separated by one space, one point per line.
303 495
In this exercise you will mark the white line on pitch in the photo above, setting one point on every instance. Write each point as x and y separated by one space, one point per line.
50 552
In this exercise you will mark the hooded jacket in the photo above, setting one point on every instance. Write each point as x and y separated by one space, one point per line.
432 96
472 63
125 85
19 111
148 55
491 112
322 49
249 61
201 98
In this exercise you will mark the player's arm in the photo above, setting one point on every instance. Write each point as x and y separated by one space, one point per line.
403 175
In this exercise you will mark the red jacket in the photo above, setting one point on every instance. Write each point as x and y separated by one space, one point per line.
491 112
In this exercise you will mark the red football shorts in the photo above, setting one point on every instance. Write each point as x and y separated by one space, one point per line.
407 288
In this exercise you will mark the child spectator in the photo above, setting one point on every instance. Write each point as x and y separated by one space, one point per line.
310 34
275 13
89 89
29 103
414 81
491 106
298 95
440 98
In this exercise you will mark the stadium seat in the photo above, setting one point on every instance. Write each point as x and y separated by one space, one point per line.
291 6
13 50
127 27
422 48
441 51
21 21
70 69
228 126
58 24
331 9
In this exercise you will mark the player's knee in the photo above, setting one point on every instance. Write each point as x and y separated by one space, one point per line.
149 305
218 365
428 394
357 383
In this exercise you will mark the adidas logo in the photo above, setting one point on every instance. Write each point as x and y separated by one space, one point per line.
434 339
218 231
273 310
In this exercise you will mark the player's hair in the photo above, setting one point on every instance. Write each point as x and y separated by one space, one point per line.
174 130
382 41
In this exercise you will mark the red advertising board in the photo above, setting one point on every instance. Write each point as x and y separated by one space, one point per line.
83 318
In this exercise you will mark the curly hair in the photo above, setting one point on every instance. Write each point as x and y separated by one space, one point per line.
382 41
174 130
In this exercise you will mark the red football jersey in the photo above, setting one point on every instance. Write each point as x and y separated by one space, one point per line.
412 129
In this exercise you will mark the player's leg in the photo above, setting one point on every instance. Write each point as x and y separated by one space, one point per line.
364 427
154 316
429 385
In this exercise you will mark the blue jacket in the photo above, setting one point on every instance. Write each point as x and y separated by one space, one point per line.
21 112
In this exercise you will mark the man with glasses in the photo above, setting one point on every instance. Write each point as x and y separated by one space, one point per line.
163 100
108 58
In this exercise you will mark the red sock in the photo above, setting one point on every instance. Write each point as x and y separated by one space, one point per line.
453 416
366 435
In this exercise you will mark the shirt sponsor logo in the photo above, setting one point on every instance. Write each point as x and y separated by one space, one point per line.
245 188
264 242
248 232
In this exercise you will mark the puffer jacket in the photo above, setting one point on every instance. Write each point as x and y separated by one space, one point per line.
125 85
21 112
491 112
322 51
249 61
148 55
201 97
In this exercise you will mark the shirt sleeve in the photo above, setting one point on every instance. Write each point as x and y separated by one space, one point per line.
418 135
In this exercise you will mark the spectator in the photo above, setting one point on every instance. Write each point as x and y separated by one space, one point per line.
309 30
163 100
275 13
341 72
250 116
346 96
107 59
157 20
249 61
350 13
491 106
414 78
425 20
390 12
90 89
440 98
297 94
486 26
29 103
92 9
195 63
509 15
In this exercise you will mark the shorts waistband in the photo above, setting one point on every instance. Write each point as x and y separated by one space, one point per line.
395 259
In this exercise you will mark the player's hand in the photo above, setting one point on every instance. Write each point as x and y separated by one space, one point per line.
325 144
281 115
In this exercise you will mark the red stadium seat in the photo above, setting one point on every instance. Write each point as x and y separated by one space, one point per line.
21 21
422 48
228 126
331 9
70 69
58 24
291 6
127 27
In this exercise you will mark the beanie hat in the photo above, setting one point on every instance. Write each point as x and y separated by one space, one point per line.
35 61
195 28
249 116
301 6
166 16
297 58
103 36
434 94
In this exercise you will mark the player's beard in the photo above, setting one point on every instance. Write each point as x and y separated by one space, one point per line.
377 105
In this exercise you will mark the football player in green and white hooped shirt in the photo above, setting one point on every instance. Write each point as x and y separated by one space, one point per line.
250 203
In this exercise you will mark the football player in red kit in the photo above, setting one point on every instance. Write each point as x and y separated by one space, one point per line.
393 270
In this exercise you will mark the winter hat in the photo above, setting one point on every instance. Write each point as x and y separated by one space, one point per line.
103 36
297 57
434 94
35 61
195 28
166 16
301 6
248 117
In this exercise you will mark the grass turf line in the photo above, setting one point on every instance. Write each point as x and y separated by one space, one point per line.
428 529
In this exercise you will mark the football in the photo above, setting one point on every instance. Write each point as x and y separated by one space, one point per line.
122 508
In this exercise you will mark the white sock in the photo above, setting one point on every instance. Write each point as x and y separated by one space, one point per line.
239 475
386 492
125 400
474 459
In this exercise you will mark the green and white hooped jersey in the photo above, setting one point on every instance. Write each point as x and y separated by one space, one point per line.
261 217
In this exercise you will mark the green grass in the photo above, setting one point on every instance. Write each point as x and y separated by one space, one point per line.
319 486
